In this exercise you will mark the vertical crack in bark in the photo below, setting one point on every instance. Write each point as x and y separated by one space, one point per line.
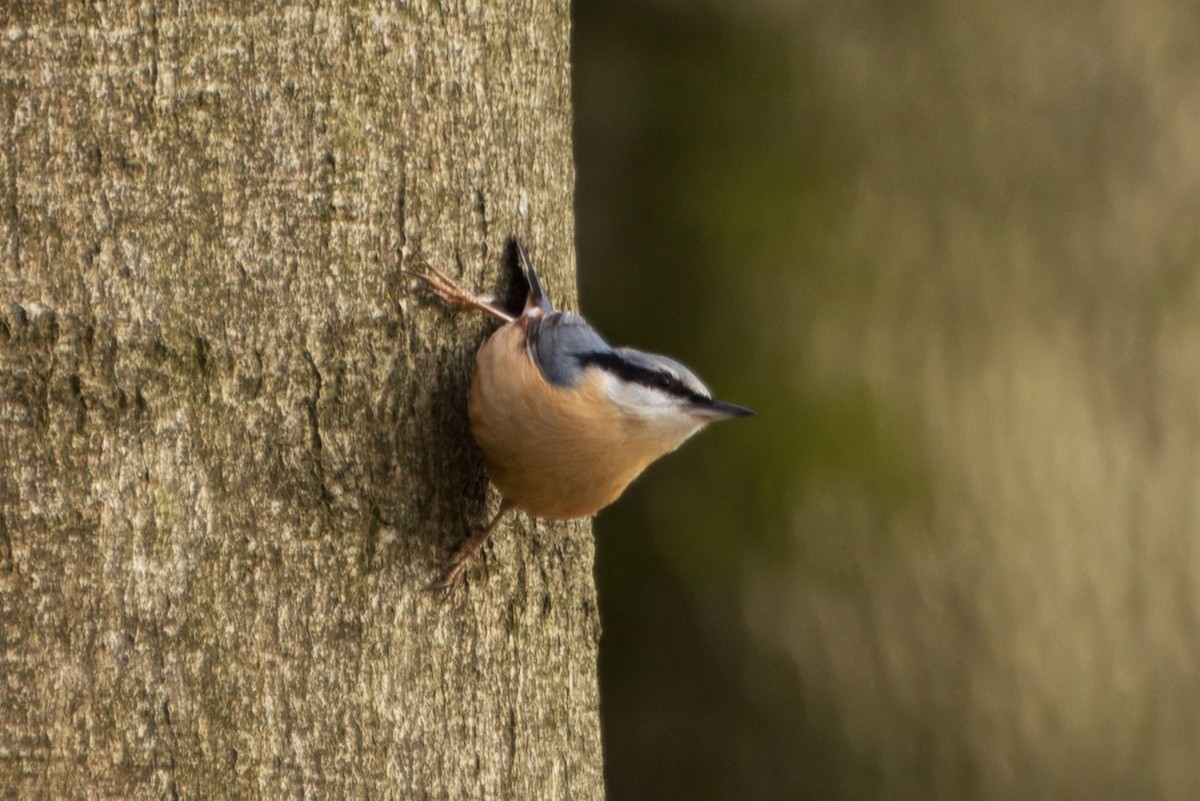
12 207
154 48
402 208
172 750
481 212
6 547
314 427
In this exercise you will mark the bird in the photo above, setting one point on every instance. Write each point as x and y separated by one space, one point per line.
565 421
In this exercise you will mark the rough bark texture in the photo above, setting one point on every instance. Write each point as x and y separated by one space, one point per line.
234 443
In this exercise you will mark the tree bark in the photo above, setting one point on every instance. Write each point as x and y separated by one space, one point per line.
233 436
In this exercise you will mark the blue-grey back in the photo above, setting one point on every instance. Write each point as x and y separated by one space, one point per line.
559 342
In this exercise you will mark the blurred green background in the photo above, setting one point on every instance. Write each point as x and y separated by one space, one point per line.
949 253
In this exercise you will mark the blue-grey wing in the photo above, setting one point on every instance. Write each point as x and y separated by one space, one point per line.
561 344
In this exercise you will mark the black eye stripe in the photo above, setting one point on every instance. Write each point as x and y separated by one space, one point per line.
637 374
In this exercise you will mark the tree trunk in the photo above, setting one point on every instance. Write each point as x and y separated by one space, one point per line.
234 444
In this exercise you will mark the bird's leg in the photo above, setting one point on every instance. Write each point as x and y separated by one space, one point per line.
455 295
466 551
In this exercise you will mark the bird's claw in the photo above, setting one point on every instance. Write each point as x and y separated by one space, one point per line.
456 569
450 291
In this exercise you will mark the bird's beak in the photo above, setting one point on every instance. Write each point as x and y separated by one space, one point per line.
719 410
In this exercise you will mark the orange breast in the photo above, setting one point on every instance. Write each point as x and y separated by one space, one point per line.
554 452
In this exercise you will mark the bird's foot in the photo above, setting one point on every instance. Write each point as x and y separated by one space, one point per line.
456 569
453 293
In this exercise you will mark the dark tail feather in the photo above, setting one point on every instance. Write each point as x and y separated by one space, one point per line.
536 296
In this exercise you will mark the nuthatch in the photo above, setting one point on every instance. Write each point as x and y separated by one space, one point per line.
565 421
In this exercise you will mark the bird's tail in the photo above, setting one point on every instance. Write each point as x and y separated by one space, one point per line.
536 297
